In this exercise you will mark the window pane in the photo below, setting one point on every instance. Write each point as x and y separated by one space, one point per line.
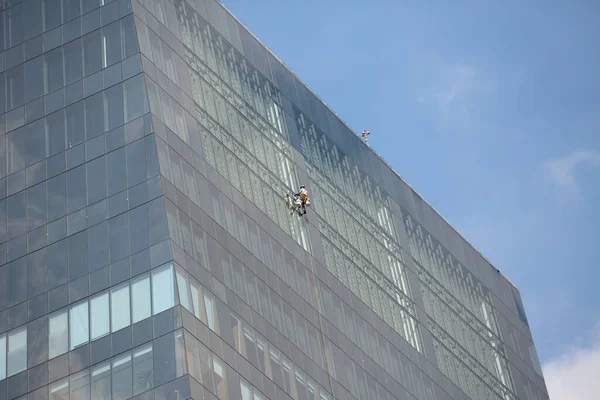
80 385
55 133
121 377
100 317
136 103
71 9
210 312
246 391
94 115
51 14
17 351
2 357
75 124
111 44
53 70
183 288
76 189
163 294
119 307
143 370
196 298
72 61
116 173
130 43
58 342
15 87
92 53
36 142
113 107
34 79
79 325
101 382
140 298
220 381
59 390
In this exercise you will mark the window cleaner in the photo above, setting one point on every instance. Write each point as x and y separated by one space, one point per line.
302 200
365 133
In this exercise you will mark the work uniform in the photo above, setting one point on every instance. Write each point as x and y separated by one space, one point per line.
303 195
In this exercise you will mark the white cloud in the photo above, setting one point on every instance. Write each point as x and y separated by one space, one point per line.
561 171
575 374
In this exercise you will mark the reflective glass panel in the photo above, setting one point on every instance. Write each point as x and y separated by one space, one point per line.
100 315
163 293
79 324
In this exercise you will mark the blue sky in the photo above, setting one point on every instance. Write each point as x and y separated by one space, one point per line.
491 110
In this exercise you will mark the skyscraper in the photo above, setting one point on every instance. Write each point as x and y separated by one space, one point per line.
146 249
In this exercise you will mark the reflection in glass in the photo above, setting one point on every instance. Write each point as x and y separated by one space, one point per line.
143 370
211 315
246 391
79 325
72 61
119 307
113 107
101 382
80 385
100 318
59 390
220 380
163 293
58 342
140 298
183 288
2 356
134 94
111 44
121 377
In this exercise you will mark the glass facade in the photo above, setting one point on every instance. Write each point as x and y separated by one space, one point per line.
146 147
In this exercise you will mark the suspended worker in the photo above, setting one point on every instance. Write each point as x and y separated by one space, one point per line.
365 133
302 197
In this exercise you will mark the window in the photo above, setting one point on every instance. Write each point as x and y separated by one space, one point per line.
15 87
52 14
143 369
53 70
246 391
196 292
134 94
92 53
71 9
94 115
111 44
100 318
79 324
183 287
34 79
130 43
121 377
119 307
80 385
58 342
211 315
55 133
113 107
220 380
2 357
236 327
163 294
140 298
59 390
101 382
17 351
73 67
